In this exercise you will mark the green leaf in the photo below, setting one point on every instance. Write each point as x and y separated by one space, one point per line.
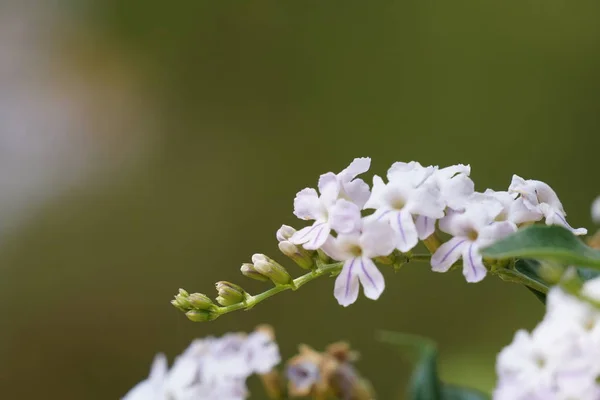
425 383
540 242
532 270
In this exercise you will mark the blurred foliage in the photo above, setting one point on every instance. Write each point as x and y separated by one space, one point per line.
257 99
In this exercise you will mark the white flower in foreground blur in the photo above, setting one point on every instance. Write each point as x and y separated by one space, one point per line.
152 388
357 249
596 210
402 199
560 359
471 230
540 198
210 369
309 205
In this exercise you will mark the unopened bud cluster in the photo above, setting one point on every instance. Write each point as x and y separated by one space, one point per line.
199 307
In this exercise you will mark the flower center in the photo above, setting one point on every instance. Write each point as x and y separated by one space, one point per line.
472 234
398 203
540 361
355 250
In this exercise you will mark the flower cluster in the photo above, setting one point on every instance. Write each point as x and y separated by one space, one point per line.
356 224
560 358
211 369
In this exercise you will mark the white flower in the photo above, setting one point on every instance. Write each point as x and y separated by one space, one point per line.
210 369
540 198
348 186
309 205
263 352
471 230
513 209
596 210
560 359
356 250
152 388
455 185
404 198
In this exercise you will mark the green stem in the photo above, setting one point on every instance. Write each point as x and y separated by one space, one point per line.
518 277
251 301
420 257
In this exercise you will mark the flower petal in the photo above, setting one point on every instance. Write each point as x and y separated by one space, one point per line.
494 232
357 166
596 210
377 193
326 181
312 237
306 203
346 284
447 254
370 277
426 201
377 239
345 217
473 268
406 231
425 226
456 191
358 191
557 218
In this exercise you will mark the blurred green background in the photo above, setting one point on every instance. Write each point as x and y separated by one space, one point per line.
250 102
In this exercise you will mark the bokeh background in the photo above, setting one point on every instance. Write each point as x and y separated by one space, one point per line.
151 145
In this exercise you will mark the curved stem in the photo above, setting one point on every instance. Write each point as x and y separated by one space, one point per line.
251 301
515 276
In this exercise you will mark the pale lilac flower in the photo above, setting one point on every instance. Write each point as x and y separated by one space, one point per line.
541 199
152 388
309 205
471 230
357 249
402 200
596 210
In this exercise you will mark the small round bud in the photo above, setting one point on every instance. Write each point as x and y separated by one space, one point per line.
299 255
229 293
201 315
249 271
200 301
182 301
179 306
285 233
272 270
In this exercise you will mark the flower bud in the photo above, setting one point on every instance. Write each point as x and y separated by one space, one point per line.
201 315
299 255
182 300
249 271
272 270
229 293
200 301
285 233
